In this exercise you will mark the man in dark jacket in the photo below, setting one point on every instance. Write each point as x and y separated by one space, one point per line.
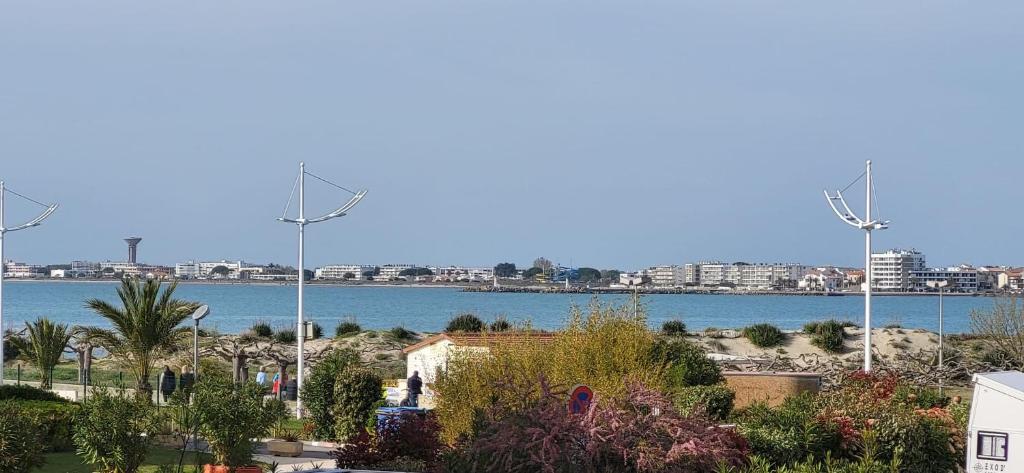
415 387
186 381
168 382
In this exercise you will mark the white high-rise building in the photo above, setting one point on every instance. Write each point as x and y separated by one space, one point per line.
339 271
893 270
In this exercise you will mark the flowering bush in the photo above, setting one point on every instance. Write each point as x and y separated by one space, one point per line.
640 433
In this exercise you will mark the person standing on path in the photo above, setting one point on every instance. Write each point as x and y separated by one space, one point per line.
415 386
261 377
168 383
186 381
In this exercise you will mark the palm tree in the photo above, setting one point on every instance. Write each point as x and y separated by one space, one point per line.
44 344
147 322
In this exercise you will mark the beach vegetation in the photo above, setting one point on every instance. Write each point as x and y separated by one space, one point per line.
43 344
346 328
673 328
147 322
685 364
1001 329
285 335
465 323
113 432
764 335
318 331
20 439
500 324
261 329
400 334
357 393
828 335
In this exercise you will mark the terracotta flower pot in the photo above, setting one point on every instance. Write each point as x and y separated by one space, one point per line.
216 469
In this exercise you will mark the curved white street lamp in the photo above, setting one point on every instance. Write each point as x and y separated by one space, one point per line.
867 225
302 221
50 208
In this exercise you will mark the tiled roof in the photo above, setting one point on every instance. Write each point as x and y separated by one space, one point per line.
483 339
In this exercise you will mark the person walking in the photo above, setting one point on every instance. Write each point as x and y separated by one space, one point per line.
415 387
261 378
168 383
187 380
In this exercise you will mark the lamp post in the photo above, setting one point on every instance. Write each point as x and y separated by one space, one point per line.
940 285
4 230
301 222
201 311
867 225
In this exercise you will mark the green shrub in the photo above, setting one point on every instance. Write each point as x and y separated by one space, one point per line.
262 329
789 433
20 437
673 328
285 336
465 323
686 364
318 390
356 394
400 333
500 324
113 432
828 335
764 335
714 401
318 331
55 419
230 416
347 328
25 392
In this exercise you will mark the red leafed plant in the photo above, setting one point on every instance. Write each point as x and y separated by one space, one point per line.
409 436
641 433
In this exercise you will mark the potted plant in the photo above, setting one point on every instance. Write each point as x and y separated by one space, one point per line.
230 417
287 444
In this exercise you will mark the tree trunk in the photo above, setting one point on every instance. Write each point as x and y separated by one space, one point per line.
237 363
88 365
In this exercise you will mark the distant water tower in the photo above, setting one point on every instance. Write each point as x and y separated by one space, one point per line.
133 248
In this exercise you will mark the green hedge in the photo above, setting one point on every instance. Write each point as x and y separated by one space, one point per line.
714 401
20 437
26 393
54 417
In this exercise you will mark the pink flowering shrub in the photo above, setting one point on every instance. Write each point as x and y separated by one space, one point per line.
641 433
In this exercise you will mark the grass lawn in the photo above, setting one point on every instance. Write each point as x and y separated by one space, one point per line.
68 462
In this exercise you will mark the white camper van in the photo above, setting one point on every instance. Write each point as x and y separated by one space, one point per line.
995 431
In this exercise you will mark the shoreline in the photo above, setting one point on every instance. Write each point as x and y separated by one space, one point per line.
522 289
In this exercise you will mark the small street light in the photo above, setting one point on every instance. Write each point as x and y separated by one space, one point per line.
201 311
940 285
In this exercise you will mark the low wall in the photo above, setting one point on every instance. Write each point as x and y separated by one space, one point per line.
769 386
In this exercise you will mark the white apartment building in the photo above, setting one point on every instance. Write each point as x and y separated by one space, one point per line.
124 267
960 278
206 270
338 271
822 279
461 273
22 270
668 276
392 271
893 270
744 275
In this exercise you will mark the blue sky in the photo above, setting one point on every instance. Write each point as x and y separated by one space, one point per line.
609 134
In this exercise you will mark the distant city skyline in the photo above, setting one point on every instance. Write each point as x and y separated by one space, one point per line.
612 135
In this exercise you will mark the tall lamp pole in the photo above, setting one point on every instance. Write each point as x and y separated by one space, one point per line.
866 224
50 208
201 311
941 286
301 222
